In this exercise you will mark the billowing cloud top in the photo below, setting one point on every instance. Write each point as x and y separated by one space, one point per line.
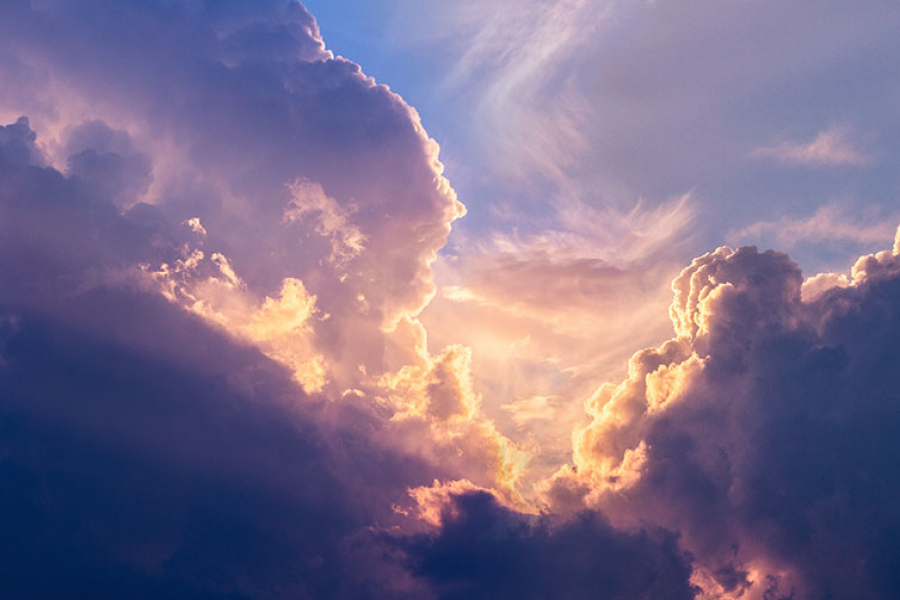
760 431
217 241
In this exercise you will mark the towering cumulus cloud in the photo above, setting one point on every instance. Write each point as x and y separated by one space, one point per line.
765 432
295 163
312 201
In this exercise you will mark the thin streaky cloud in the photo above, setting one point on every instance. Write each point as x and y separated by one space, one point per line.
830 223
514 57
833 147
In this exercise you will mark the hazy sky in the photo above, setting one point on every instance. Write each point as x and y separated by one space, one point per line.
475 299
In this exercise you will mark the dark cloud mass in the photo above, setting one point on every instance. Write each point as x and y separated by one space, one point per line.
486 551
144 455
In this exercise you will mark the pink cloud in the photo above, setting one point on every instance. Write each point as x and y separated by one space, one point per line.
832 147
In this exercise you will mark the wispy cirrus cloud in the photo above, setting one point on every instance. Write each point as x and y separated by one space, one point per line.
622 99
517 63
830 223
833 147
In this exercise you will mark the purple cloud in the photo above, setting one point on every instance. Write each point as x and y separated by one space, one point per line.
763 432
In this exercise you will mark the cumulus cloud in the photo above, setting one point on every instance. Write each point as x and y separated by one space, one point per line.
818 284
297 164
762 432
437 415
332 220
17 142
321 196
282 327
145 454
107 160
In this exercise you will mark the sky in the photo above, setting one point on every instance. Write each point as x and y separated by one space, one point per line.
441 300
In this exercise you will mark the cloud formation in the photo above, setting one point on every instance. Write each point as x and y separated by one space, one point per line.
321 196
763 432
287 156
147 453
551 314
509 555
216 381
829 224
167 430
830 148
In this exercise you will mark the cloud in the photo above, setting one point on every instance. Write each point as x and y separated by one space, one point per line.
216 379
506 57
195 225
610 101
818 284
282 327
332 220
148 453
437 415
178 309
483 550
17 141
433 503
580 230
322 197
143 453
107 160
830 223
762 432
532 408
551 313
266 123
830 148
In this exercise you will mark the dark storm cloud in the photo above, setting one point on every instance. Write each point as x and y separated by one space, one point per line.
486 551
